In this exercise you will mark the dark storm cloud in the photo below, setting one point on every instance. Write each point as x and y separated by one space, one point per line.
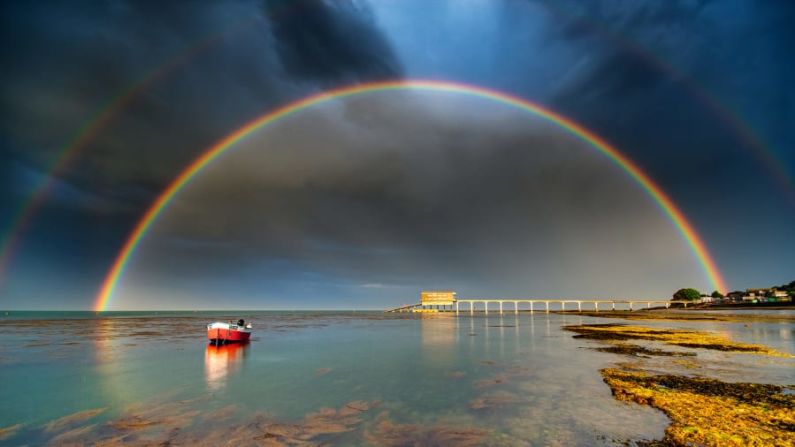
650 67
628 43
215 66
704 47
325 41
198 70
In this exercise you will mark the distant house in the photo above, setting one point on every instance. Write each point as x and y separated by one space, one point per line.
771 295
780 296
757 292
735 296
706 299
750 298
755 295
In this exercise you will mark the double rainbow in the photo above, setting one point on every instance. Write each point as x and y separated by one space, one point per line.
673 213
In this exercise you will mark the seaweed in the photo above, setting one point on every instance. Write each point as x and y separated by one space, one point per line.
676 337
711 412
703 411
494 400
71 420
10 431
635 350
385 432
683 315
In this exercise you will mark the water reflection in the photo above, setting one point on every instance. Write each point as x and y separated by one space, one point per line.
438 338
105 339
111 370
221 361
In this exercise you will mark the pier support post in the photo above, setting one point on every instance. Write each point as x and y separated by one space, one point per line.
667 305
532 303
648 304
500 307
614 305
630 306
579 306
456 307
546 303
486 306
596 306
516 307
563 306
471 308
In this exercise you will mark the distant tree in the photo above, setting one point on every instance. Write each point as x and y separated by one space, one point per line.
687 294
788 287
716 294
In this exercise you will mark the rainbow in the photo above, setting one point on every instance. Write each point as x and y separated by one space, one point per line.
664 202
11 238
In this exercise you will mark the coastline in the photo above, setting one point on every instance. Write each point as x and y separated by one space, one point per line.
686 315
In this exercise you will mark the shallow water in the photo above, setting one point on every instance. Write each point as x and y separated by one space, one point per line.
510 380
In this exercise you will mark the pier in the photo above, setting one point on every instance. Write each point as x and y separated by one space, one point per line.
447 302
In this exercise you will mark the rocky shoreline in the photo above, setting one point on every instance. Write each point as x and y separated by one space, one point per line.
704 411
683 315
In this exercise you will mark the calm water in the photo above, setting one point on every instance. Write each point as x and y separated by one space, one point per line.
340 378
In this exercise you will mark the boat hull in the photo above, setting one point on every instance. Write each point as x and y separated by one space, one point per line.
223 333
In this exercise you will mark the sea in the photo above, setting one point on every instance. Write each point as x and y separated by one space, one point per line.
337 378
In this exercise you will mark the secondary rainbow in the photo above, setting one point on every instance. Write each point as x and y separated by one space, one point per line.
88 132
728 117
11 236
663 201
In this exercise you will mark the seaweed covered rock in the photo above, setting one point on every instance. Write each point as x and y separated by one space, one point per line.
710 412
676 337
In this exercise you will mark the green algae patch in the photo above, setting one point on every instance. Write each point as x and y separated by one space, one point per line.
8 432
72 419
640 351
386 432
684 315
710 412
676 337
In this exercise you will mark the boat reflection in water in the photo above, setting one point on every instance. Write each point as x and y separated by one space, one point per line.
221 361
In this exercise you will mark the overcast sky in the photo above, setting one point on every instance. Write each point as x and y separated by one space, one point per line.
365 201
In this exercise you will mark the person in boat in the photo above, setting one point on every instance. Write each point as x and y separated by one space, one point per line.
241 323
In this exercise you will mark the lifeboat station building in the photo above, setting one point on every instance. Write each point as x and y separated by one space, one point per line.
437 299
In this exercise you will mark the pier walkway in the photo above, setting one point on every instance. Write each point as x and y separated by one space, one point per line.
515 305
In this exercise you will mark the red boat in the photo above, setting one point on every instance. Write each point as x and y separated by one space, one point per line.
219 333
